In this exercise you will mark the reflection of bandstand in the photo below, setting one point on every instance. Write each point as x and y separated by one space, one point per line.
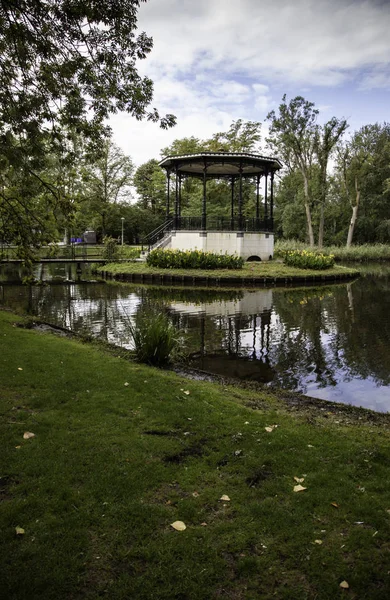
235 234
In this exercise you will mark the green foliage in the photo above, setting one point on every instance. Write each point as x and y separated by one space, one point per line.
156 340
66 68
303 259
360 253
110 250
150 183
129 252
193 259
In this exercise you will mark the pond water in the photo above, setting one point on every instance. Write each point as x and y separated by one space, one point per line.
330 342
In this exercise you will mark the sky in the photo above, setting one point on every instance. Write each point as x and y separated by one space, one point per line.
215 61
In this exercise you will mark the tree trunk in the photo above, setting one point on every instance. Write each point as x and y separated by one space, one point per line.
103 226
352 225
354 215
321 227
308 212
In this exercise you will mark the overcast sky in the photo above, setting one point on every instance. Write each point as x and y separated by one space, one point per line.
215 61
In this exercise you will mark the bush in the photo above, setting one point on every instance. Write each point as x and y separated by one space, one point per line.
110 250
156 341
193 259
303 259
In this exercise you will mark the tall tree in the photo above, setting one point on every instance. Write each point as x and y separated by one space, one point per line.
292 135
325 139
108 180
356 157
66 64
242 136
150 184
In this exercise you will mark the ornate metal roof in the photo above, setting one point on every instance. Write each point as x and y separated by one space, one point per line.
221 164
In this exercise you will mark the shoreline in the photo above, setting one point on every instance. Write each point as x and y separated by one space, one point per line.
182 277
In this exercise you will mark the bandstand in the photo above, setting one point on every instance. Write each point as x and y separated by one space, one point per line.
249 237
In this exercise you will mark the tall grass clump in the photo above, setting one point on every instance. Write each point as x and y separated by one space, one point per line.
303 259
130 252
156 340
363 252
193 259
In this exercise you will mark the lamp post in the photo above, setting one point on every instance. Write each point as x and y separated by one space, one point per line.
122 219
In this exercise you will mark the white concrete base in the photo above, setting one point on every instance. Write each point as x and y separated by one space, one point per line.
245 244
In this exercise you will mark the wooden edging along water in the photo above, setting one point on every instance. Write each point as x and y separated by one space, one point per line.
245 282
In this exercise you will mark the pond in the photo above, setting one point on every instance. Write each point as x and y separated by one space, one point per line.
330 342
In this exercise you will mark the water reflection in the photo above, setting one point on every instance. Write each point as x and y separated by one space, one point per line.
330 342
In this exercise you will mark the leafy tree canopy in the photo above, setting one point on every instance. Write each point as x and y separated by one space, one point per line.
71 63
66 66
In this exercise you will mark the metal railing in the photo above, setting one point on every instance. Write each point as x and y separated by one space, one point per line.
158 234
215 223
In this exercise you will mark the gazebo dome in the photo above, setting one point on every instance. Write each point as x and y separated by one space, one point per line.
221 164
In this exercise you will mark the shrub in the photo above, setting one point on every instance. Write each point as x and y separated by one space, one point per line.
156 340
303 259
110 250
193 259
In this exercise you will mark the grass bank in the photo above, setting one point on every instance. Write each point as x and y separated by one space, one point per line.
121 451
252 273
365 252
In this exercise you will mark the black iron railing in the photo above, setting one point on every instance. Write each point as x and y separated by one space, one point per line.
159 233
215 223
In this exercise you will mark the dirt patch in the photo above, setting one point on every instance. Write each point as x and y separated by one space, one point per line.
6 483
162 433
258 477
194 449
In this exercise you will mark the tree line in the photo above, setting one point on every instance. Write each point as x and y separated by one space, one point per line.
67 66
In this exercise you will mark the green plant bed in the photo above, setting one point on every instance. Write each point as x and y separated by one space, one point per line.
121 451
193 259
273 270
303 259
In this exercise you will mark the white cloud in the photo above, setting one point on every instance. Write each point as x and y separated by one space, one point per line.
218 60
305 41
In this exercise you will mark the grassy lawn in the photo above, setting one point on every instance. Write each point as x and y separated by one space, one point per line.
121 451
271 270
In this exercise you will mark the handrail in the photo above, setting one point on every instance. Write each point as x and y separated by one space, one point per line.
158 233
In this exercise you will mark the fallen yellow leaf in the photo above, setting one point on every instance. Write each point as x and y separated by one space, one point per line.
186 392
299 488
318 542
344 584
178 525
126 384
299 479
20 369
19 530
204 524
334 504
28 435
195 494
225 498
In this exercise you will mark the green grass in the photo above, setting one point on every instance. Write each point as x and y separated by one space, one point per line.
111 466
364 252
271 270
